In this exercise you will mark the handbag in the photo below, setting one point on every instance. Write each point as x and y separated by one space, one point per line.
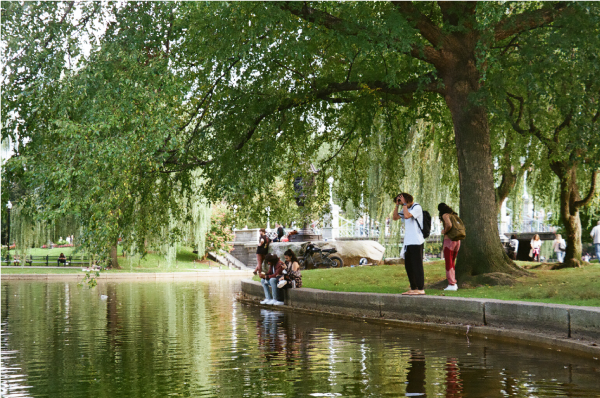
562 246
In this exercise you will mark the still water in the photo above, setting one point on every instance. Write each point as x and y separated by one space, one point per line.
193 339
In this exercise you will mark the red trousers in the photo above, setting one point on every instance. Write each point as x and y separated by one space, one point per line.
450 257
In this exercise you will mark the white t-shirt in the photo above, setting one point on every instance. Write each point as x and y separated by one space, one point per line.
596 234
412 232
515 244
536 244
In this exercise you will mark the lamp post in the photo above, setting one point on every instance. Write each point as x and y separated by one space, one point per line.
234 211
330 181
8 208
268 209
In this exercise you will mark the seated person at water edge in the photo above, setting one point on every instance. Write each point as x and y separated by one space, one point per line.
62 259
291 273
270 279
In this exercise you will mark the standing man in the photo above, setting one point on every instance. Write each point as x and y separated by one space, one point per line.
412 214
595 234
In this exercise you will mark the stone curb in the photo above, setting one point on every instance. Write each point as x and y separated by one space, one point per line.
560 327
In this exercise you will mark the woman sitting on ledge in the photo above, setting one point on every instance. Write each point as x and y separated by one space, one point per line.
291 273
270 279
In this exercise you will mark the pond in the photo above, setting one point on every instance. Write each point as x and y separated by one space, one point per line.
193 339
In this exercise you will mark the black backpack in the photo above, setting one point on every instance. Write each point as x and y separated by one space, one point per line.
426 230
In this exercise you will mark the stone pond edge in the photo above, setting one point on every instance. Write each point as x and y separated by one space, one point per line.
554 326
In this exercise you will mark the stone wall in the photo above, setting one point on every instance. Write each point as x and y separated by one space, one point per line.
579 324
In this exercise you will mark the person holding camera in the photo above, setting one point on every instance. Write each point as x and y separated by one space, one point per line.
412 214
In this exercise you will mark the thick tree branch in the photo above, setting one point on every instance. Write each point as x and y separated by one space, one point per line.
528 20
321 18
516 124
409 87
562 126
403 91
429 30
590 195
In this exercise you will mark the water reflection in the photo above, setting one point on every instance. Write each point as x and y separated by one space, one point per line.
194 339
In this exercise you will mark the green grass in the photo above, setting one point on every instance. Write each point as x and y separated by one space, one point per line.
574 286
150 263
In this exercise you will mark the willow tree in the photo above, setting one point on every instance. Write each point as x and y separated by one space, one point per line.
232 88
554 99
301 60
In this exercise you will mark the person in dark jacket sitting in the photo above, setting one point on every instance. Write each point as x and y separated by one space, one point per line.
270 279
61 259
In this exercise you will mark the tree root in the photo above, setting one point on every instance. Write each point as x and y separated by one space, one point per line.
571 263
489 279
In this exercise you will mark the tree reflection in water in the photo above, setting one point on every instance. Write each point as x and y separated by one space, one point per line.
193 339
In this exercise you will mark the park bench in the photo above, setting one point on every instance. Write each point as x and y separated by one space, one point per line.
47 260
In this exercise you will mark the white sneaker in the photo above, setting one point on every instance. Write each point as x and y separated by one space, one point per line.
452 288
278 302
265 301
271 302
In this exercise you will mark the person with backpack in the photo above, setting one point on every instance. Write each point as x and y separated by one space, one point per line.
416 229
559 247
454 232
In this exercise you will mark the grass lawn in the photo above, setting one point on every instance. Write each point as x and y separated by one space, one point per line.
575 286
150 263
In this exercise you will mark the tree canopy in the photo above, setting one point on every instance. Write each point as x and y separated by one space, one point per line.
243 93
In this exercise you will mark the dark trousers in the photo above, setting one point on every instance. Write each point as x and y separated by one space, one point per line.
413 262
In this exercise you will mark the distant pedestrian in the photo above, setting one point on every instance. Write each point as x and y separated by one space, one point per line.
559 246
595 234
261 250
513 247
412 250
535 244
450 247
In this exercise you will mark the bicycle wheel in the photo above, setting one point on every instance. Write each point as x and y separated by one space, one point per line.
302 263
336 261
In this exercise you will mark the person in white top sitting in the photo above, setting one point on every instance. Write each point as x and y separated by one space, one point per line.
412 214
595 234
559 246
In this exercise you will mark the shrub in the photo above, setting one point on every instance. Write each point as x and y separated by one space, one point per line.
220 233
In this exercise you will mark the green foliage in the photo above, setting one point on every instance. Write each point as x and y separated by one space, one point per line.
182 101
220 234
90 279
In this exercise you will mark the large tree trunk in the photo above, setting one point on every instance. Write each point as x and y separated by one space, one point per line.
114 259
569 214
482 250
